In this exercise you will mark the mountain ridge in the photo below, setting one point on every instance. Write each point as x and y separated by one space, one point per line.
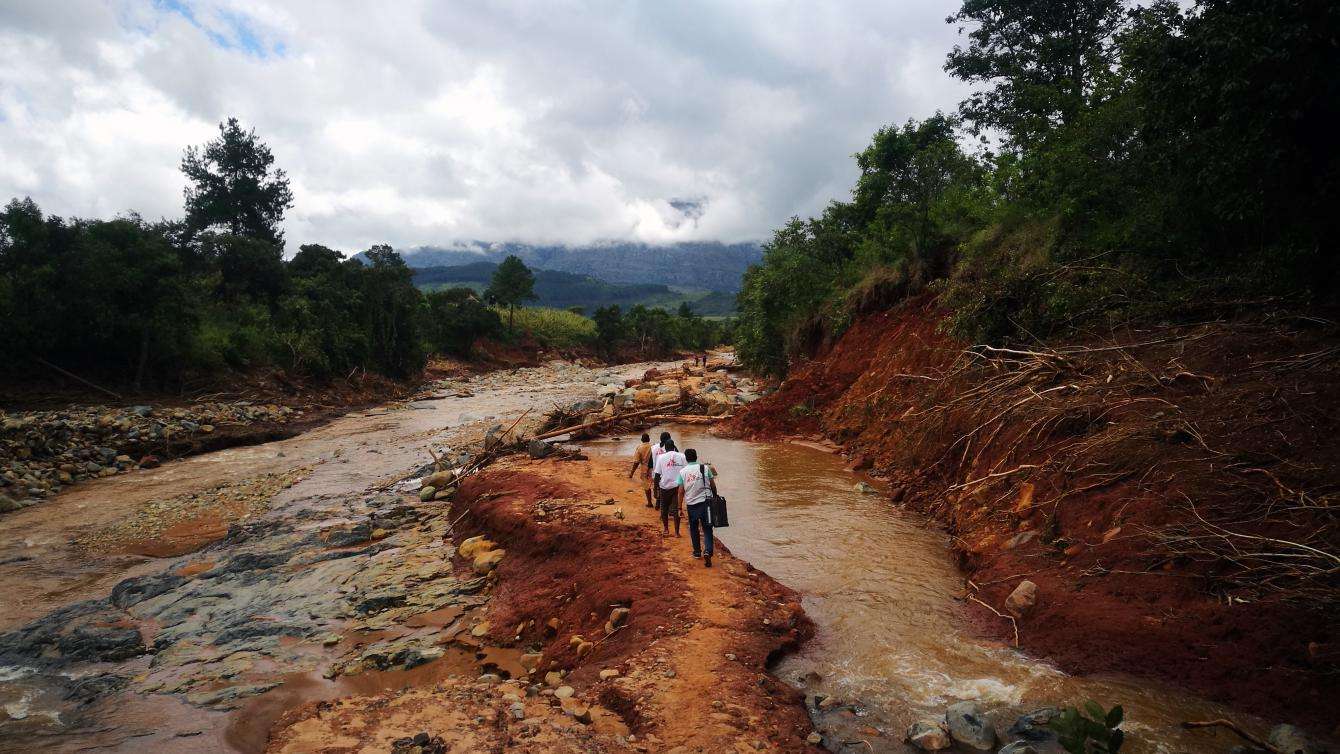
558 289
710 265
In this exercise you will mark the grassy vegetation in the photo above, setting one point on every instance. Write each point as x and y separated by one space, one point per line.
554 328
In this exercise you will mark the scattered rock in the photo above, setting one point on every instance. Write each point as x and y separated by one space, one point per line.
970 726
578 711
1022 599
929 735
564 692
488 560
473 546
1033 725
608 673
539 449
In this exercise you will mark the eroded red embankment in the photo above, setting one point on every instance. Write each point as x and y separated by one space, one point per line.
1098 473
568 557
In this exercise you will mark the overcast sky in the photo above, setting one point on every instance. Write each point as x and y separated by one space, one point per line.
427 122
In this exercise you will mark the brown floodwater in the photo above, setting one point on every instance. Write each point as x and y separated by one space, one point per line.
885 596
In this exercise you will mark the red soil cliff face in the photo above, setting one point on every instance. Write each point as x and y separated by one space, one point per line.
1125 477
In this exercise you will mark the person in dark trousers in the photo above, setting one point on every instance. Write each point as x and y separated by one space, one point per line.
666 476
642 462
696 483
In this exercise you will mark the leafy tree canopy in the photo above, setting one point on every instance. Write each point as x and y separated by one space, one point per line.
233 188
513 283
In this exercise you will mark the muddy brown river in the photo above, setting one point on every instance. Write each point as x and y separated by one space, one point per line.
885 596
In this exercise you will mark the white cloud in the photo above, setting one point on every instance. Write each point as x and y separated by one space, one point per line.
421 122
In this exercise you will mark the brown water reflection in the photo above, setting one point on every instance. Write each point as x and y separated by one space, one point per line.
881 588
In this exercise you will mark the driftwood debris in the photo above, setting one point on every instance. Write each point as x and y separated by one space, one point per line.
588 426
686 418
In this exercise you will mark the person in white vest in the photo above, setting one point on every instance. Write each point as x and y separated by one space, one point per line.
697 482
669 462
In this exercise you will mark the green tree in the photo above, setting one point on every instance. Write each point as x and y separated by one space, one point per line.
456 318
917 193
233 188
512 283
1045 62
610 328
391 312
248 268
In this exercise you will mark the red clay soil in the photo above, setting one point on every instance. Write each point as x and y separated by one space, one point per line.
1099 471
692 657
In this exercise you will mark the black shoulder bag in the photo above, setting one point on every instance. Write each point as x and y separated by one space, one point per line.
716 504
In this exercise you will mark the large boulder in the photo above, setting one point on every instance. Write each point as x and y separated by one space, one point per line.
970 726
1018 747
928 735
1022 599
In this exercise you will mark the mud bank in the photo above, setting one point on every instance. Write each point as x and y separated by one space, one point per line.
671 656
1099 472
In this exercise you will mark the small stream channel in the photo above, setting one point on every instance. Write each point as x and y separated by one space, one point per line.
881 587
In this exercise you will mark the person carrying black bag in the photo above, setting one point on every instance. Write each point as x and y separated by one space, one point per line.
697 485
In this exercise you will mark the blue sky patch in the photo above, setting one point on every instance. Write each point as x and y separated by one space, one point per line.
238 32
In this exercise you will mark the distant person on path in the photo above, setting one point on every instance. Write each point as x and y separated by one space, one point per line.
642 464
696 482
666 475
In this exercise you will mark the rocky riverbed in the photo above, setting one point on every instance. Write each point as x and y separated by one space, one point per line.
185 607
43 452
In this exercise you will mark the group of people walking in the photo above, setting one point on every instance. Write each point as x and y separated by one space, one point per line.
677 482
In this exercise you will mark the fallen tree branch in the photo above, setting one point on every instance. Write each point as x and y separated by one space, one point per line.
1232 726
76 377
1010 618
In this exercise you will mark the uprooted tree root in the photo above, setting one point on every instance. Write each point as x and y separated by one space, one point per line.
1067 422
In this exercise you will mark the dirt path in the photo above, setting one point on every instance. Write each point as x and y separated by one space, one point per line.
707 681
685 671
